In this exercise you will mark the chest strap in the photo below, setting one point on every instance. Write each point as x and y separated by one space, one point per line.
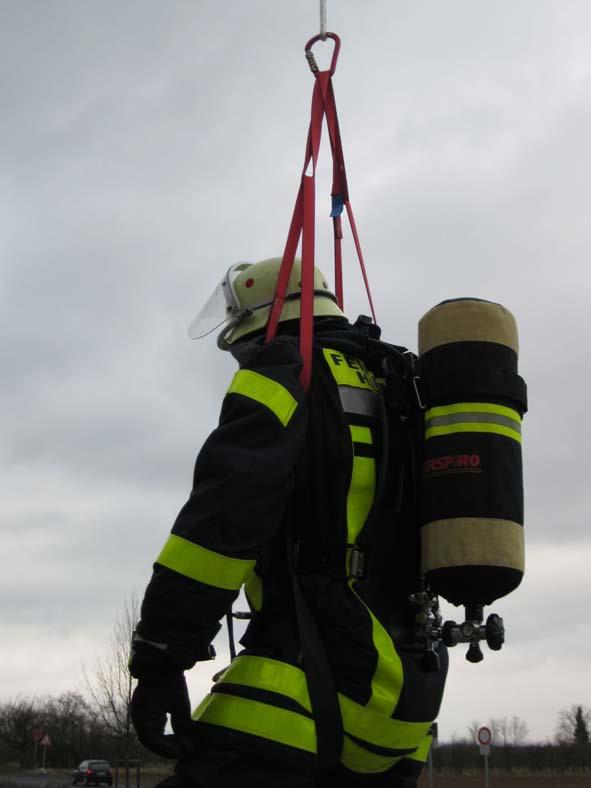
347 561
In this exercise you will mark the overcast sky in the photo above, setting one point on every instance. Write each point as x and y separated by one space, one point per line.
144 147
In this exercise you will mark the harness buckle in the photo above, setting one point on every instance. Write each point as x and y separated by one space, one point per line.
356 563
336 560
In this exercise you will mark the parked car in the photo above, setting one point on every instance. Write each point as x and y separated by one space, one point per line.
93 772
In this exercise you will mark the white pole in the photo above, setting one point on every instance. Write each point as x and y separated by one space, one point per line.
486 771
323 19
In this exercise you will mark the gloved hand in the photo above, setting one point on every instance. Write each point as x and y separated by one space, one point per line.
154 698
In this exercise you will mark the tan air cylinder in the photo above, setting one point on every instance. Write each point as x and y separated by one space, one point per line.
472 487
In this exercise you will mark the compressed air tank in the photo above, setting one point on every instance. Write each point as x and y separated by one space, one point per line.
472 546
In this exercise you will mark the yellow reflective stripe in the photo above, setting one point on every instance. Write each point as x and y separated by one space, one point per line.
360 434
473 417
269 674
360 495
388 677
360 721
422 752
199 563
498 429
472 407
266 391
258 719
253 588
365 723
349 371
358 759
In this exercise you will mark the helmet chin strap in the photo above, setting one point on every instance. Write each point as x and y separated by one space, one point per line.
222 342
243 314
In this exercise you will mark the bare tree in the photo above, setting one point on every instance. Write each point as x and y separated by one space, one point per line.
508 733
499 727
109 682
473 728
71 722
518 731
573 725
17 720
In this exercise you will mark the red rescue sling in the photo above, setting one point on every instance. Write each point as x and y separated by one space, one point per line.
303 220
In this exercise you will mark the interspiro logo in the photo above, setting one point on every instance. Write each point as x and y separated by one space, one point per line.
452 463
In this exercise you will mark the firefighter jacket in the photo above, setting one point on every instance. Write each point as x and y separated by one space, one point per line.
281 462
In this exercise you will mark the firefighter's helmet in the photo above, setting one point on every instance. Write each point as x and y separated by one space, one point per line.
241 303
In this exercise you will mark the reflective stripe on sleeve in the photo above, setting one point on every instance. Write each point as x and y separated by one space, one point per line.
266 391
473 417
206 566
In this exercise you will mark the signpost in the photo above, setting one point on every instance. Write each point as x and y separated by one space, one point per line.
484 737
434 743
45 743
37 735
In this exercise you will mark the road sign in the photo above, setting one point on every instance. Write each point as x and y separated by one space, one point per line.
45 741
37 734
484 737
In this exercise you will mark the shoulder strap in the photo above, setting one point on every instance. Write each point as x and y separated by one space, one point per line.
321 687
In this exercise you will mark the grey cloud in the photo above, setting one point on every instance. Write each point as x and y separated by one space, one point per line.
145 148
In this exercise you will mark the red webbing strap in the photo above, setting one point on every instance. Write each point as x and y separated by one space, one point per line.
304 217
307 298
302 224
360 257
340 188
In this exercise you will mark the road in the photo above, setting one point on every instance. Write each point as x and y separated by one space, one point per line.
60 780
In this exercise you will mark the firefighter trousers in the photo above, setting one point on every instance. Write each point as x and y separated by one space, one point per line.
235 769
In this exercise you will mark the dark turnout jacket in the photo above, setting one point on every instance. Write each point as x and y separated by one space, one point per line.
304 475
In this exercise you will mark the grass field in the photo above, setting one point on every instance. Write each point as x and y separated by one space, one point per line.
150 776
508 781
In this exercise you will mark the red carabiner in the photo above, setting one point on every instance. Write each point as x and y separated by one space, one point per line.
335 54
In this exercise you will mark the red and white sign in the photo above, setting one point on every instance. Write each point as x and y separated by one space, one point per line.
45 741
37 734
484 736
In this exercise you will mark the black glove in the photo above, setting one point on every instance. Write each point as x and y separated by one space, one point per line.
154 698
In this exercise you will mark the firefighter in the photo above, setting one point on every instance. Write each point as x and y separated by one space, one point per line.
298 499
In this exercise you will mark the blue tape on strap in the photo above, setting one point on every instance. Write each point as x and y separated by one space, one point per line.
337 205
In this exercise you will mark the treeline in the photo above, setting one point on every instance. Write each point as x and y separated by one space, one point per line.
77 731
101 728
560 758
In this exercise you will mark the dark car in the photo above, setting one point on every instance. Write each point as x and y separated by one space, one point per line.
93 771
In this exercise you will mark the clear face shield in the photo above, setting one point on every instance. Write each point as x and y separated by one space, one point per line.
221 309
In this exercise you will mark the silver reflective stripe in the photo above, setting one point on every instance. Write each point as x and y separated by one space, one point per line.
473 418
360 401
139 639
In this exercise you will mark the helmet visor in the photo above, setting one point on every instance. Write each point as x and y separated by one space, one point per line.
221 307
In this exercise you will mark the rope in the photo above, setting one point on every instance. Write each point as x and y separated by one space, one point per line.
323 20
